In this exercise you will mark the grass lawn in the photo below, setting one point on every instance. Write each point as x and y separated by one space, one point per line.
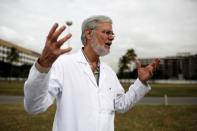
140 118
158 90
11 88
158 118
172 90
14 118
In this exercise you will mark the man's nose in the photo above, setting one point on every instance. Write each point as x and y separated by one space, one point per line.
111 37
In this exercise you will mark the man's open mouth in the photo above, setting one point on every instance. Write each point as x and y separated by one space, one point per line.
108 44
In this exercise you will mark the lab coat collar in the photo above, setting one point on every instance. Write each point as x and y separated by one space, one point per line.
81 59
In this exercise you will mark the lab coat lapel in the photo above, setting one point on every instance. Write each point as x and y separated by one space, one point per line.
86 67
102 74
89 73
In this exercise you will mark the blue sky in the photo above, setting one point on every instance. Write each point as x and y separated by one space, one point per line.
154 28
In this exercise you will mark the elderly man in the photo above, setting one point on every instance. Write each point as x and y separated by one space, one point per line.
86 90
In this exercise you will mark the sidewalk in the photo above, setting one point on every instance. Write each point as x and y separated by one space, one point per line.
10 99
169 101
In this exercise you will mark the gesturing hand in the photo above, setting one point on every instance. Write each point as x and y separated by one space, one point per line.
145 73
52 49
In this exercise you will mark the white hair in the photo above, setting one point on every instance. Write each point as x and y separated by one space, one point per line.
92 23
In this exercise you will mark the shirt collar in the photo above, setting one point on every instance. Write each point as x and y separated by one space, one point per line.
81 59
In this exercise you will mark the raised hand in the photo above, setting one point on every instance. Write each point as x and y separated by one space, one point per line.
52 49
145 73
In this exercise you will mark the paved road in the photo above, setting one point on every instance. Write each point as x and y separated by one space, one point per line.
10 99
146 100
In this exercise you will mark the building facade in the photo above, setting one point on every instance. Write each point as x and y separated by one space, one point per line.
25 56
15 61
182 66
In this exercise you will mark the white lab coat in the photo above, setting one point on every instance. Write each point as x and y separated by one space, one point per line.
81 104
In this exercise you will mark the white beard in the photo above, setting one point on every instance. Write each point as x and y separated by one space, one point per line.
99 50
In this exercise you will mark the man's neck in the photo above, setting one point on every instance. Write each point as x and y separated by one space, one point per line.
91 55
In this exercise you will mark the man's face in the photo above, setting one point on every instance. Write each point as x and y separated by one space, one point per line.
102 39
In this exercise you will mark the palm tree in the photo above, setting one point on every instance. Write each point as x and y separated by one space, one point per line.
123 64
131 55
12 56
126 61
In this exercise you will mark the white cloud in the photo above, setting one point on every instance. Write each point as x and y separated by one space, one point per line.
9 34
146 26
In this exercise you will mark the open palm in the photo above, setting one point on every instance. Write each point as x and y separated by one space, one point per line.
52 48
145 73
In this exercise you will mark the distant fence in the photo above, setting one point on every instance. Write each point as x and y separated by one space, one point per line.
128 81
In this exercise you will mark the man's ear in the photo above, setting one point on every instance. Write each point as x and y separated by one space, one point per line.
88 34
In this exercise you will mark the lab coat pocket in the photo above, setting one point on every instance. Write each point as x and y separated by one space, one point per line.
107 102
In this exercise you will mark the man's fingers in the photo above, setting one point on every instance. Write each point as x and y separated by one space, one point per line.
150 72
138 64
64 39
157 61
52 31
58 32
153 66
62 51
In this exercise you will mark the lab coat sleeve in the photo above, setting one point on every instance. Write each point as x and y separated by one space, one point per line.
40 90
125 101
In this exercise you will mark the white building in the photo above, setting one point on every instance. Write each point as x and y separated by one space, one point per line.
26 56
